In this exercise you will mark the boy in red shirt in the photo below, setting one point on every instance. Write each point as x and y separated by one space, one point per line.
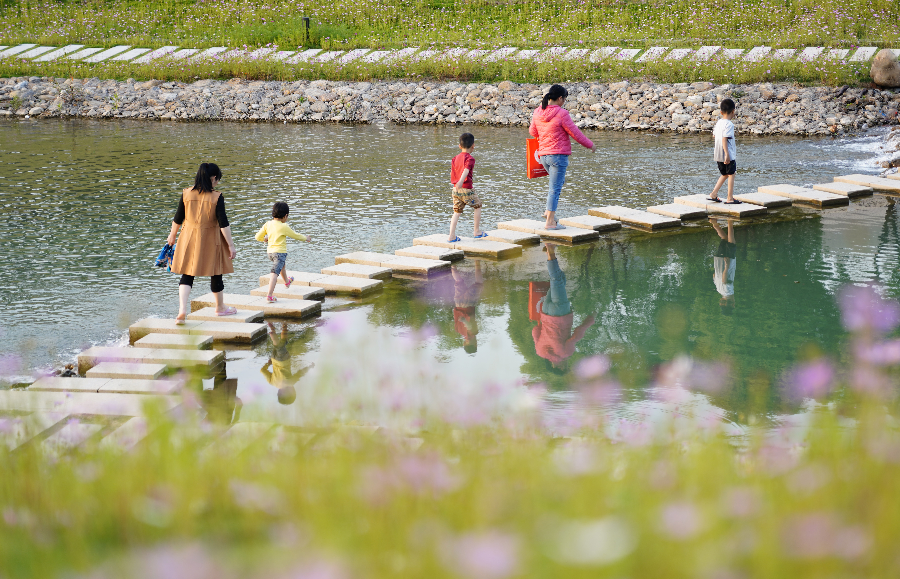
461 178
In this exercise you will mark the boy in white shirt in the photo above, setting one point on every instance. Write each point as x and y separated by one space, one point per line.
724 153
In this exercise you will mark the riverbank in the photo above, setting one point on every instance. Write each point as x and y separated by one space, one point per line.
762 108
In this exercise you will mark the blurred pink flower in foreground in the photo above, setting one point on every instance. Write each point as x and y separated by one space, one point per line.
426 474
818 535
880 354
687 372
482 555
810 380
316 570
740 502
863 309
680 520
592 367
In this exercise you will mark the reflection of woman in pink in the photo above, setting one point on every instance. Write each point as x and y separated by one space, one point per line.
554 338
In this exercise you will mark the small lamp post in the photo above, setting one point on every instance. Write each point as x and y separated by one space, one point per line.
306 22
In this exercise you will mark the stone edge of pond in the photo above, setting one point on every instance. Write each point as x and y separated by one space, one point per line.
763 108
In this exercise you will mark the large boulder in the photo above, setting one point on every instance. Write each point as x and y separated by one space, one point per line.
886 69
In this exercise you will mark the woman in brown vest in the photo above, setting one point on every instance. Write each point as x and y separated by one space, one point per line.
205 247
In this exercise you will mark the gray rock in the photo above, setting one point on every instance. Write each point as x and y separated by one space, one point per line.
885 69
35 111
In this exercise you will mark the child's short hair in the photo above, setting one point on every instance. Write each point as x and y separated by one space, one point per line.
466 140
727 106
280 209
287 395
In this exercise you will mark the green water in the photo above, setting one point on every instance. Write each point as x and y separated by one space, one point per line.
86 206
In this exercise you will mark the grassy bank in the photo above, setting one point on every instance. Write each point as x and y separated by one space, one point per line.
474 23
735 72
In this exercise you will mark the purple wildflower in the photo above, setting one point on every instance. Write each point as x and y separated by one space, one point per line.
864 310
810 380
483 555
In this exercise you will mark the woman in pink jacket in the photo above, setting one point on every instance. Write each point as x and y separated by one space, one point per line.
552 126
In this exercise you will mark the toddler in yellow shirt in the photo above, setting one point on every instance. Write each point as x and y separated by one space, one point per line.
276 233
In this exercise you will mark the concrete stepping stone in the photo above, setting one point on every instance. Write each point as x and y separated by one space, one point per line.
240 333
108 385
167 356
783 54
847 189
100 403
679 53
803 195
527 54
402 54
242 315
473 247
721 208
603 53
108 53
732 53
500 53
24 428
35 52
556 52
510 236
174 342
653 53
183 53
71 435
261 53
126 370
397 264
678 211
876 183
332 284
328 56
477 53
428 252
575 53
353 55
128 435
210 52
591 222
282 308
60 384
627 54
295 292
570 234
282 55
304 56
635 217
864 54
358 270
424 55
706 52
83 53
376 55
810 53
130 54
836 54
757 53
158 53
764 199
16 50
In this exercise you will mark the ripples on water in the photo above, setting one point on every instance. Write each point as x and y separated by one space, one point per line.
87 205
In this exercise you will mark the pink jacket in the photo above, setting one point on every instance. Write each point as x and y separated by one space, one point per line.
552 127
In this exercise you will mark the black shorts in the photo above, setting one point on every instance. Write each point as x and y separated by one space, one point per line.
726 249
727 168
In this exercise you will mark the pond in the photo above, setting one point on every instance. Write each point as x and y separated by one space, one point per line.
87 205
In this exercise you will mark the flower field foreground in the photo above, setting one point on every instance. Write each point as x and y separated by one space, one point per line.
485 482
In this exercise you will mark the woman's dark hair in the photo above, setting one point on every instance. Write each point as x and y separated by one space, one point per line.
203 180
280 209
554 93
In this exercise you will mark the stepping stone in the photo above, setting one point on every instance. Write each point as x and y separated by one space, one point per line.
69 436
282 55
301 278
60 384
358 270
526 54
783 54
130 54
864 54
108 53
500 53
876 183
241 333
837 54
16 50
603 53
210 52
591 222
397 264
474 247
167 356
158 53
679 53
83 53
627 54
183 53
678 211
757 53
402 54
126 436
126 386
175 342
332 284
576 53
653 53
635 217
304 56
810 53
24 428
242 315
100 403
536 227
764 199
261 53
510 236
847 189
713 208
295 292
35 52
328 56
425 54
282 308
428 252
477 53
126 370
732 53
376 55
353 55
803 195
706 52
556 52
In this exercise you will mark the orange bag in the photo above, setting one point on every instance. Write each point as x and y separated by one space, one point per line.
536 291
535 169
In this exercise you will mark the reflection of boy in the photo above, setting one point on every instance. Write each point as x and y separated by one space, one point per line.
465 298
554 338
725 264
280 374
221 403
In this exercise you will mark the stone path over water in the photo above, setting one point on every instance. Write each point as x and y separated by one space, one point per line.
109 401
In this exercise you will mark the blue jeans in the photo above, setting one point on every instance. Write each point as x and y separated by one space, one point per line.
556 302
556 167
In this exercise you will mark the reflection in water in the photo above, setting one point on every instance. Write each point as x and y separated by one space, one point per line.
278 368
725 264
466 293
554 337
221 403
